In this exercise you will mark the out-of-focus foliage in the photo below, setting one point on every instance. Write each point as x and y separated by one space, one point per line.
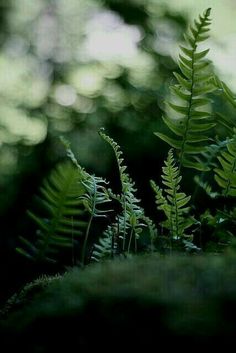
60 218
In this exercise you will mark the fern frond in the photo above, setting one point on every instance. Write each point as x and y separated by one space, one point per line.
171 201
129 222
209 158
62 215
95 196
225 175
190 127
106 246
226 91
206 187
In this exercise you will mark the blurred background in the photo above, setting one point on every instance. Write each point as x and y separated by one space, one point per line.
69 67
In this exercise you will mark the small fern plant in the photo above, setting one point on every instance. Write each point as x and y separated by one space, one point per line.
129 221
122 236
190 126
60 218
173 203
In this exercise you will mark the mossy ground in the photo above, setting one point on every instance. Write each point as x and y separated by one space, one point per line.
131 303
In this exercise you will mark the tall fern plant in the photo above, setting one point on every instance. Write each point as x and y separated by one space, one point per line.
190 126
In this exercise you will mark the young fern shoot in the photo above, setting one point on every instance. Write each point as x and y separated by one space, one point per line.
190 127
173 202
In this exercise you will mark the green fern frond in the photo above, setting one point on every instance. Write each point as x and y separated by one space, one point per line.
173 202
226 91
62 215
190 127
206 187
209 158
225 175
130 221
95 196
107 245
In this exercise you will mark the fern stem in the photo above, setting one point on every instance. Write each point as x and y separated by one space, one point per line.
84 248
89 222
124 225
175 232
130 239
72 241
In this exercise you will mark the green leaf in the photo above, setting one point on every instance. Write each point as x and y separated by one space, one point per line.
172 142
193 84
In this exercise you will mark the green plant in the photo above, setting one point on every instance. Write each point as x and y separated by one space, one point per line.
130 221
60 215
95 195
173 203
73 198
225 175
191 126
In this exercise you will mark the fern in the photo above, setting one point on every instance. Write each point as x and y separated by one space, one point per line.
173 202
209 158
61 218
95 195
225 175
191 126
106 246
131 221
225 90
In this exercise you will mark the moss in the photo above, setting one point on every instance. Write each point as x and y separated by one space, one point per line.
132 303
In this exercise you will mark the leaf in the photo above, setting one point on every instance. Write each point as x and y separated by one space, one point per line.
172 142
193 84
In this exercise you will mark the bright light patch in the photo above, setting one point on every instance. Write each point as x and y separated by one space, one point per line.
109 38
65 95
223 56
19 125
87 81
